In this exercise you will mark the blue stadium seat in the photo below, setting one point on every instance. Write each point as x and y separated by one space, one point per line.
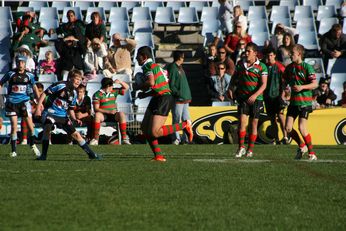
326 24
317 64
244 4
6 29
4 65
336 66
279 12
43 50
25 8
5 14
129 5
336 3
306 24
119 27
165 15
336 84
188 15
344 27
84 5
144 39
91 10
210 26
76 10
47 78
125 98
257 12
118 14
142 105
325 12
215 3
301 12
153 5
290 3
48 13
107 5
142 26
98 79
309 40
209 13
141 13
284 21
313 3
199 5
127 109
60 5
175 5
38 4
50 24
260 38
259 25
92 87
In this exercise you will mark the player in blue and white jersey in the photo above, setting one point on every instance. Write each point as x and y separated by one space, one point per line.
21 84
58 110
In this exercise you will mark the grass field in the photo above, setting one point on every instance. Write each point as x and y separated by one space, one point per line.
200 187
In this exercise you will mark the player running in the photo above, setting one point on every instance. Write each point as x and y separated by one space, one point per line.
59 111
156 85
21 84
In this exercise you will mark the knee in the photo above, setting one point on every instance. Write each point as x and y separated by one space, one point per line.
288 129
76 136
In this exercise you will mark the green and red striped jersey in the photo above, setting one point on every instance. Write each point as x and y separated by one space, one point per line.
248 79
299 74
107 101
161 86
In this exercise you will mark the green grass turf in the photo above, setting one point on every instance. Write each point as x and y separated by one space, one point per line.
200 187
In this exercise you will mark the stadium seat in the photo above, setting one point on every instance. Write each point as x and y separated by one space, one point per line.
336 3
4 66
45 84
48 14
98 79
313 3
210 26
47 78
6 29
76 10
25 8
91 10
153 5
107 5
38 4
284 21
244 4
175 5
220 104
305 25
165 15
209 13
188 15
344 27
317 64
279 12
43 50
125 98
3 89
301 12
123 77
259 25
215 3
257 12
50 24
309 40
92 87
129 5
119 27
60 5
140 14
336 84
290 3
118 14
336 66
144 39
142 26
127 109
84 5
325 12
5 14
199 5
142 105
326 24
259 38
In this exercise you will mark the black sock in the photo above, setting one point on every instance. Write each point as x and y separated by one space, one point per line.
14 145
88 151
31 140
45 144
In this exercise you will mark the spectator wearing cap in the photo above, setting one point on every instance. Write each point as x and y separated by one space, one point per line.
118 59
24 50
96 28
93 59
325 96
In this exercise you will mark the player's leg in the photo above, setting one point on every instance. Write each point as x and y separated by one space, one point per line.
98 119
121 119
295 136
275 128
303 122
185 117
30 124
14 122
282 122
24 129
252 136
157 122
177 112
242 125
48 123
82 143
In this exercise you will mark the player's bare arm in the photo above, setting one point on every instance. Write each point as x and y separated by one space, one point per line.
260 90
40 104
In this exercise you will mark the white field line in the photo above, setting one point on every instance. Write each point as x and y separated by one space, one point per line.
261 161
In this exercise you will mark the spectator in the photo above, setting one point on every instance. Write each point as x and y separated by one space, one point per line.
225 16
24 50
233 38
48 66
239 53
333 43
26 37
239 17
93 59
220 84
343 96
71 51
74 27
343 10
181 93
40 32
118 60
105 106
325 96
277 39
210 59
96 28
28 18
222 58
285 50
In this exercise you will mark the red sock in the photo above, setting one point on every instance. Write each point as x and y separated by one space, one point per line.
308 142
169 129
241 135
24 126
154 145
96 128
252 139
122 127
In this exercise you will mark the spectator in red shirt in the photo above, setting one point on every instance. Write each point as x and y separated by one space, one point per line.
232 39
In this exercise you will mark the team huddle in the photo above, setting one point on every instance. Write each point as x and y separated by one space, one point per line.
55 106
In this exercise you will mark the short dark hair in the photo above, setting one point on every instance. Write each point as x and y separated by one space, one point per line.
74 73
39 85
269 50
253 46
106 82
177 55
145 51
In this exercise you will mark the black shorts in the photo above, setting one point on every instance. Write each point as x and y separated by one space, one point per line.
18 109
301 111
61 122
109 118
273 106
161 105
253 110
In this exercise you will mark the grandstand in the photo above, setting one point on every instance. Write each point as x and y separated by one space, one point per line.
178 25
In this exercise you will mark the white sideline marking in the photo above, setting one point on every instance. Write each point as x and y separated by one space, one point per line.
42 170
230 160
325 161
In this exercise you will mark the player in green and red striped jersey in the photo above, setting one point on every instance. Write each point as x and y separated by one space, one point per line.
105 107
300 77
156 85
250 80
